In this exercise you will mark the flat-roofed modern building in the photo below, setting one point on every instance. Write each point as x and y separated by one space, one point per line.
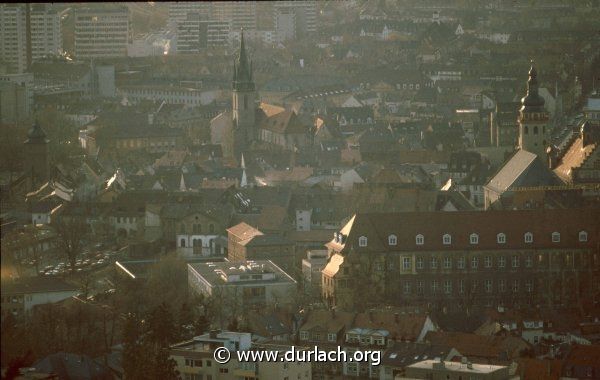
46 37
440 370
195 359
250 283
102 31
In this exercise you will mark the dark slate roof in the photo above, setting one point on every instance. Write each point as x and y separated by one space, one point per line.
36 285
354 113
73 367
523 169
456 198
459 321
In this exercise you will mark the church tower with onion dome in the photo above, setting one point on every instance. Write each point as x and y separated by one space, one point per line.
534 131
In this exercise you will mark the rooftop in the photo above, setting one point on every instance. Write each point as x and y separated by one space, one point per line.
458 367
227 273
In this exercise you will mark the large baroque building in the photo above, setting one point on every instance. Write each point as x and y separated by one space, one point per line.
464 259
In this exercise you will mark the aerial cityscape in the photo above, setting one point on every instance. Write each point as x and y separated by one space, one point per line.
296 190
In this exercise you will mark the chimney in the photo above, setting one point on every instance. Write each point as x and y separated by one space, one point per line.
213 334
333 312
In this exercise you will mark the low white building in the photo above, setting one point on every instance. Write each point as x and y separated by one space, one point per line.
242 284
20 296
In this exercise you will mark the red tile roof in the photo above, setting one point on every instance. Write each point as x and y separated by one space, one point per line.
461 224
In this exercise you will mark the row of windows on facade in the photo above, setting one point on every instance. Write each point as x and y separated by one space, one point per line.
535 130
196 228
447 286
350 338
473 238
461 263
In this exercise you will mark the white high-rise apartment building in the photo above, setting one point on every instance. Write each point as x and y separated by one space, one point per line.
295 19
101 31
13 42
179 10
241 14
195 34
46 38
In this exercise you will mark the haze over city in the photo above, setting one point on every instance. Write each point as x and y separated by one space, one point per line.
369 189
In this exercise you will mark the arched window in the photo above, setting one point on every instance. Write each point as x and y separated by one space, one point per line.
556 237
245 102
420 239
535 130
528 237
211 228
582 236
474 238
392 240
182 243
526 130
362 241
447 239
501 238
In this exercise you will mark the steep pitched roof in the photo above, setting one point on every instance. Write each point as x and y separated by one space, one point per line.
477 346
400 326
460 224
523 169
574 158
325 319
286 121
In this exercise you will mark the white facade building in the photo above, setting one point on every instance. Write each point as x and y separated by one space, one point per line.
169 94
101 32
46 37
13 43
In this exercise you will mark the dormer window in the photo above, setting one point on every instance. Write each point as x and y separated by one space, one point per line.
501 238
447 239
556 237
528 237
583 236
392 240
474 239
362 241
420 239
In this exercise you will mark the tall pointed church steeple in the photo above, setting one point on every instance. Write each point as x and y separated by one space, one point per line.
244 99
242 69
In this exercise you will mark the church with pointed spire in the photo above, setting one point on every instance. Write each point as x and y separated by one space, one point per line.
251 123
243 102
